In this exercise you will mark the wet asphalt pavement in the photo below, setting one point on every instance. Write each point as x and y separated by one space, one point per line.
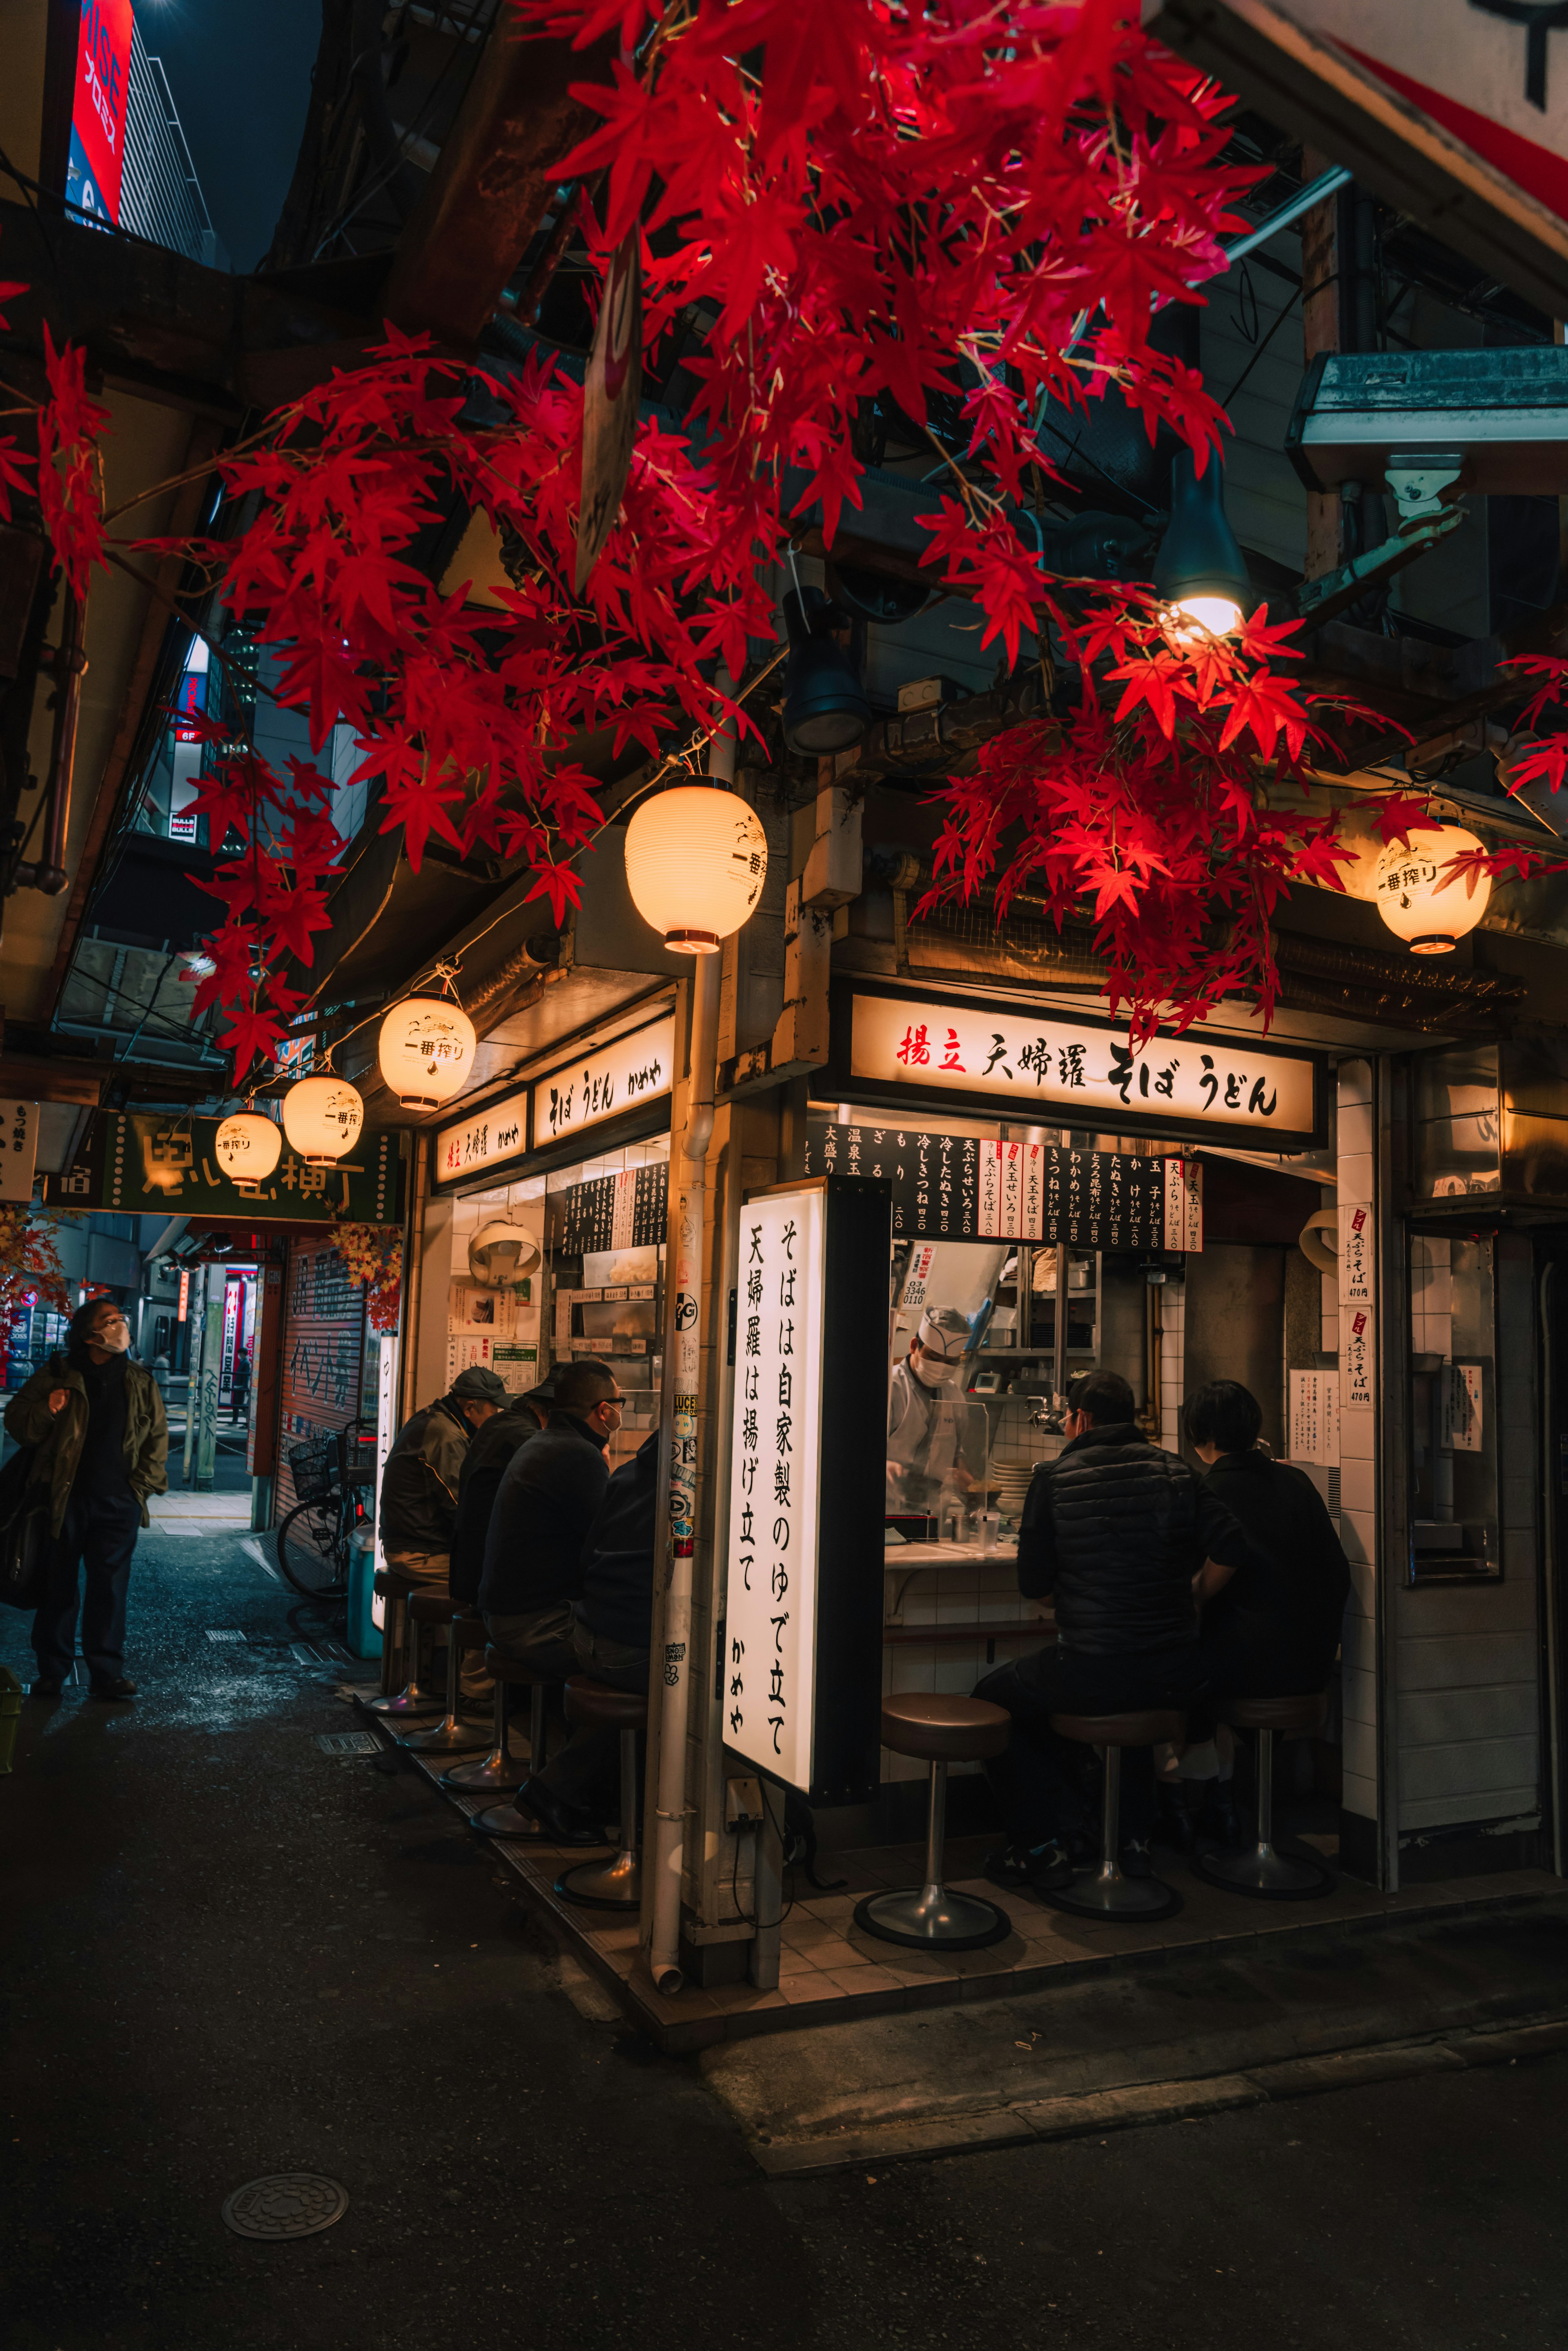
226 1954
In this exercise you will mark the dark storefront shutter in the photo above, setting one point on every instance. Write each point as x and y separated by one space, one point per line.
323 1354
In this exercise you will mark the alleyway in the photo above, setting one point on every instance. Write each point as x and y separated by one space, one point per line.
228 1953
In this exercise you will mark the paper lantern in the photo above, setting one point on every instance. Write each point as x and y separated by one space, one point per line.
322 1118
426 1050
696 859
248 1148
1430 911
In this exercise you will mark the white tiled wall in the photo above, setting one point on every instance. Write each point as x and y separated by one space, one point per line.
1358 1467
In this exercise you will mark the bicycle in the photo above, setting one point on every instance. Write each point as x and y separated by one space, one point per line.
315 1539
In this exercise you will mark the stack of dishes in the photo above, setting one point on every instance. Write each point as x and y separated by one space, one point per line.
1011 1482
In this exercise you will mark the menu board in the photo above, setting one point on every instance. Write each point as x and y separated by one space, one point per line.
979 1188
629 1210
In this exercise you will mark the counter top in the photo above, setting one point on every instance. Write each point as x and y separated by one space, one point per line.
899 1559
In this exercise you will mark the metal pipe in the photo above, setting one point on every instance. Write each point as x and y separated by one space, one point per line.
1316 192
936 1826
47 872
1553 1570
681 1373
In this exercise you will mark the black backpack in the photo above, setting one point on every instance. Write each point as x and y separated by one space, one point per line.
25 1539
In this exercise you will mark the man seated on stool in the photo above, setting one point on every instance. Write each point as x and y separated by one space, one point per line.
1115 1531
419 1485
548 1499
479 1482
612 1635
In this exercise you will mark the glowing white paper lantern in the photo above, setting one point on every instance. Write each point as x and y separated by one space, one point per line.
426 1050
1424 905
248 1148
322 1118
696 859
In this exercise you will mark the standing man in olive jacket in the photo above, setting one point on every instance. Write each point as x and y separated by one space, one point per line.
1116 1531
102 1440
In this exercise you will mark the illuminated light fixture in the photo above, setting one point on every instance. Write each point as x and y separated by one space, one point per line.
1429 914
322 1118
248 1148
696 859
825 708
198 962
500 1252
426 1050
1199 572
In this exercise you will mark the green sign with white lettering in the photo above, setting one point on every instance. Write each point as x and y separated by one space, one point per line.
142 1163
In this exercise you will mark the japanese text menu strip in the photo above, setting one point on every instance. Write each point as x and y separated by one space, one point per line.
977 1188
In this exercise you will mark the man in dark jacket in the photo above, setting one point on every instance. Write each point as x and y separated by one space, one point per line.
419 1483
479 1482
102 1440
550 1494
613 1634
1115 1531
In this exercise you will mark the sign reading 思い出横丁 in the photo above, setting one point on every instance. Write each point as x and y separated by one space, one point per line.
153 1161
769 1678
604 1081
1032 1062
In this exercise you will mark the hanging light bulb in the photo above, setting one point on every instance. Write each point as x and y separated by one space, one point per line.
1421 902
248 1148
1199 572
696 859
825 708
426 1050
322 1118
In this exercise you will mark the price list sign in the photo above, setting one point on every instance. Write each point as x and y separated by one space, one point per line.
965 1187
770 1637
630 1210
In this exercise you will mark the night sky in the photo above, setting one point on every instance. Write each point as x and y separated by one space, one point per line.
240 72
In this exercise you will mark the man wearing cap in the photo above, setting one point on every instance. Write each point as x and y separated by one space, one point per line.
934 1436
419 1484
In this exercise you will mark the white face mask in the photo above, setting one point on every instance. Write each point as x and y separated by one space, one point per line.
114 1338
930 1371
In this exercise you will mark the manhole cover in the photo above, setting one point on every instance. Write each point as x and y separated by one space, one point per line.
290 2204
348 1742
224 1636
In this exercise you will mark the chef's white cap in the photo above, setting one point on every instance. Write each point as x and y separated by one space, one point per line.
944 1331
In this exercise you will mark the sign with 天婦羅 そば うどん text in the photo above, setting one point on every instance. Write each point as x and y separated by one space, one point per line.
164 1162
603 1082
1038 1064
978 1187
768 1666
500 1131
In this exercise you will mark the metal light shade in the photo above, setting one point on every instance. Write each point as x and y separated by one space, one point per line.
696 859
501 1252
1430 913
322 1118
248 1148
1199 570
426 1050
825 708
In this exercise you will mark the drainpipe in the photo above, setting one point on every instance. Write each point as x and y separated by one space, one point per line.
47 872
682 1344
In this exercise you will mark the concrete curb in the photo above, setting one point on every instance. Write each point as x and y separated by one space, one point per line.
1139 2104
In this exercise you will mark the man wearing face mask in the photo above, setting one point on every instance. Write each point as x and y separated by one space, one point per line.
102 1440
932 1439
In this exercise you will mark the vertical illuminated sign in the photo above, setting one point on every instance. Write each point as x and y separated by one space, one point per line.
769 1663
98 107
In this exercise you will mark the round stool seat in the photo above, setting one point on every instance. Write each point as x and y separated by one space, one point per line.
1295 1716
390 1586
1146 1727
941 1730
468 1631
502 1668
613 1710
427 1607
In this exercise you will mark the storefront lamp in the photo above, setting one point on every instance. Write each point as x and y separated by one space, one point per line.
322 1118
426 1050
1199 572
825 708
248 1147
696 858
1423 904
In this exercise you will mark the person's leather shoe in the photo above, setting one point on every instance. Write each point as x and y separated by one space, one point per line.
122 1688
559 1823
46 1686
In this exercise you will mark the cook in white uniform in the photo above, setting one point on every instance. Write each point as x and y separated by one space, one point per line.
935 1437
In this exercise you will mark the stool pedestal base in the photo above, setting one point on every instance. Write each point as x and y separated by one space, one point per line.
613 1884
933 1919
1272 1876
1112 1895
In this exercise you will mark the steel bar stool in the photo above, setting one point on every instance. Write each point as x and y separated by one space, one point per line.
501 1773
931 1917
452 1735
409 1605
616 1883
1273 1876
1112 1894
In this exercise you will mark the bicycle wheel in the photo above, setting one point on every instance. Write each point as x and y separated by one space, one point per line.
311 1551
